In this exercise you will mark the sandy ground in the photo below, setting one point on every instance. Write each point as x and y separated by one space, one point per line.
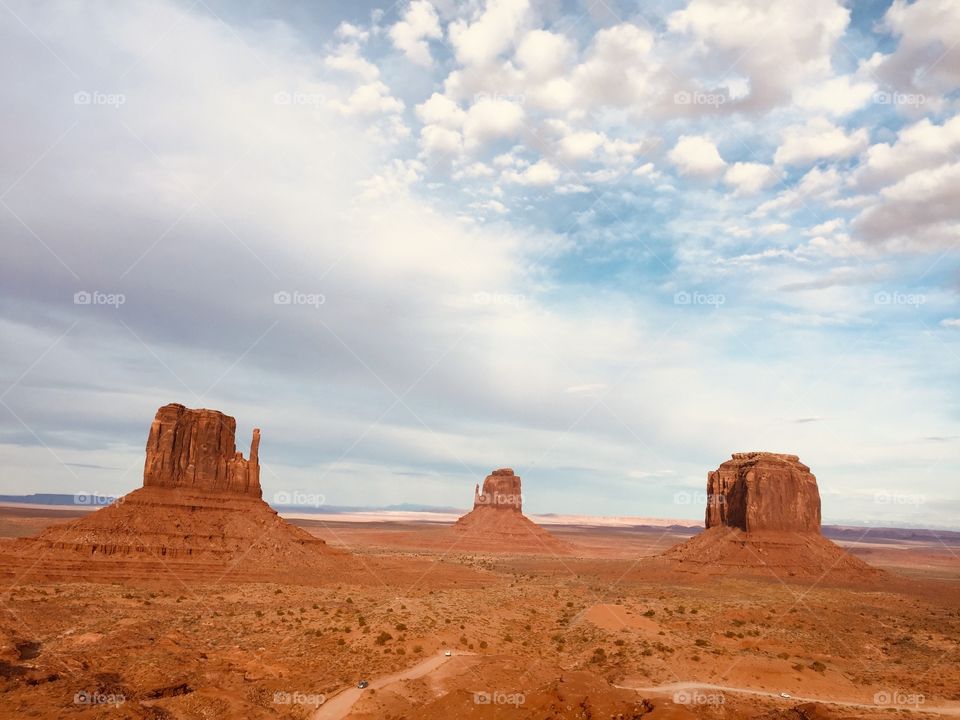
595 634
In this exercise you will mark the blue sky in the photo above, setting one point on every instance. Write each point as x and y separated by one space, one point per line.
605 244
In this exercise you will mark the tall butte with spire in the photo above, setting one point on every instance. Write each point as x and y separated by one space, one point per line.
195 449
497 522
200 514
501 491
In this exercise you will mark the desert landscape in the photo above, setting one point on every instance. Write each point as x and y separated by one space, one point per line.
192 598
480 359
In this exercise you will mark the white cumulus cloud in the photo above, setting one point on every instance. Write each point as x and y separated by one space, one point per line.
490 119
370 99
539 174
542 54
837 96
779 45
347 59
817 139
491 33
749 178
441 110
419 23
696 155
581 145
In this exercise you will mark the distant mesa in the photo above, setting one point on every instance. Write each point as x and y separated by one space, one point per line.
763 491
198 515
497 522
763 517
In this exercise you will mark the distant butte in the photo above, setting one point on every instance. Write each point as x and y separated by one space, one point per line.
763 517
497 522
501 491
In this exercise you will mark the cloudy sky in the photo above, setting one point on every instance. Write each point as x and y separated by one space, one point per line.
604 243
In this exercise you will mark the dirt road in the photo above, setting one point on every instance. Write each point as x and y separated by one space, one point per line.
952 710
340 704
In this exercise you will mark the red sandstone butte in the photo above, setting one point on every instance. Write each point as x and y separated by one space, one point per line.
501 491
497 522
195 449
763 491
763 517
199 515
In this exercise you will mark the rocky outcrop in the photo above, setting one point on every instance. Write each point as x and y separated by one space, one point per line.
763 518
804 711
497 522
763 491
197 449
198 515
501 491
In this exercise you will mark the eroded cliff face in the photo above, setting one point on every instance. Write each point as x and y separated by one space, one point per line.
758 491
196 449
763 519
501 491
200 507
